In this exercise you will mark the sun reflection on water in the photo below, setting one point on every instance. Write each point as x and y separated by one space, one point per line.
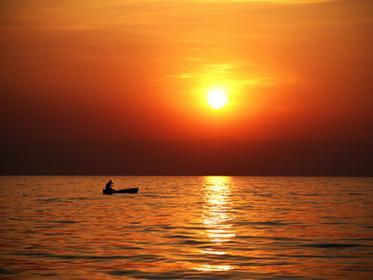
217 218
214 267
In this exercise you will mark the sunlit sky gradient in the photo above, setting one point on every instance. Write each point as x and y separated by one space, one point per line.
142 69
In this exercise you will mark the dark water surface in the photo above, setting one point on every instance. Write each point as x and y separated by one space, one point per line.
187 227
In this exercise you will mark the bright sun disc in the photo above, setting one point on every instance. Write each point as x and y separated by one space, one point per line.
217 98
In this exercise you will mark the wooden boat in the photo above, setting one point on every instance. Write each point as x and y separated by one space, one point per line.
113 191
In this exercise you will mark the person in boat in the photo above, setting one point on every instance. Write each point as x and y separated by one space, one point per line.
109 186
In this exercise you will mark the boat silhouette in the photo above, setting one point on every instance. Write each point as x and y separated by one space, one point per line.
113 191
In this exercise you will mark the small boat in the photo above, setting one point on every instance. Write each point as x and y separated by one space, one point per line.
112 191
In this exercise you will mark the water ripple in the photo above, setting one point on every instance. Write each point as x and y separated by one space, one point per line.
187 228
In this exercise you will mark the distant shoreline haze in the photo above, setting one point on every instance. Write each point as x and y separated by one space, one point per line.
197 157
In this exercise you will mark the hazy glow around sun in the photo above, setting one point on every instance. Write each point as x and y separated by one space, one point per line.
217 98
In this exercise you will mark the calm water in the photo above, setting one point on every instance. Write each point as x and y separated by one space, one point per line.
187 227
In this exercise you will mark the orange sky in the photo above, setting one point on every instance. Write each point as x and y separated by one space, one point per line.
141 69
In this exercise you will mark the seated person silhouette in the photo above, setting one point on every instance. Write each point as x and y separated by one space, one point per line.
109 186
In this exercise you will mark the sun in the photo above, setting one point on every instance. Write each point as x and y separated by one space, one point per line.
217 98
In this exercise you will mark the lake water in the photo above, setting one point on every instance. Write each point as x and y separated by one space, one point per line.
186 227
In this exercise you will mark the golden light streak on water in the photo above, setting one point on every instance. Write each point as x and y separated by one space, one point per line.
217 217
211 267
